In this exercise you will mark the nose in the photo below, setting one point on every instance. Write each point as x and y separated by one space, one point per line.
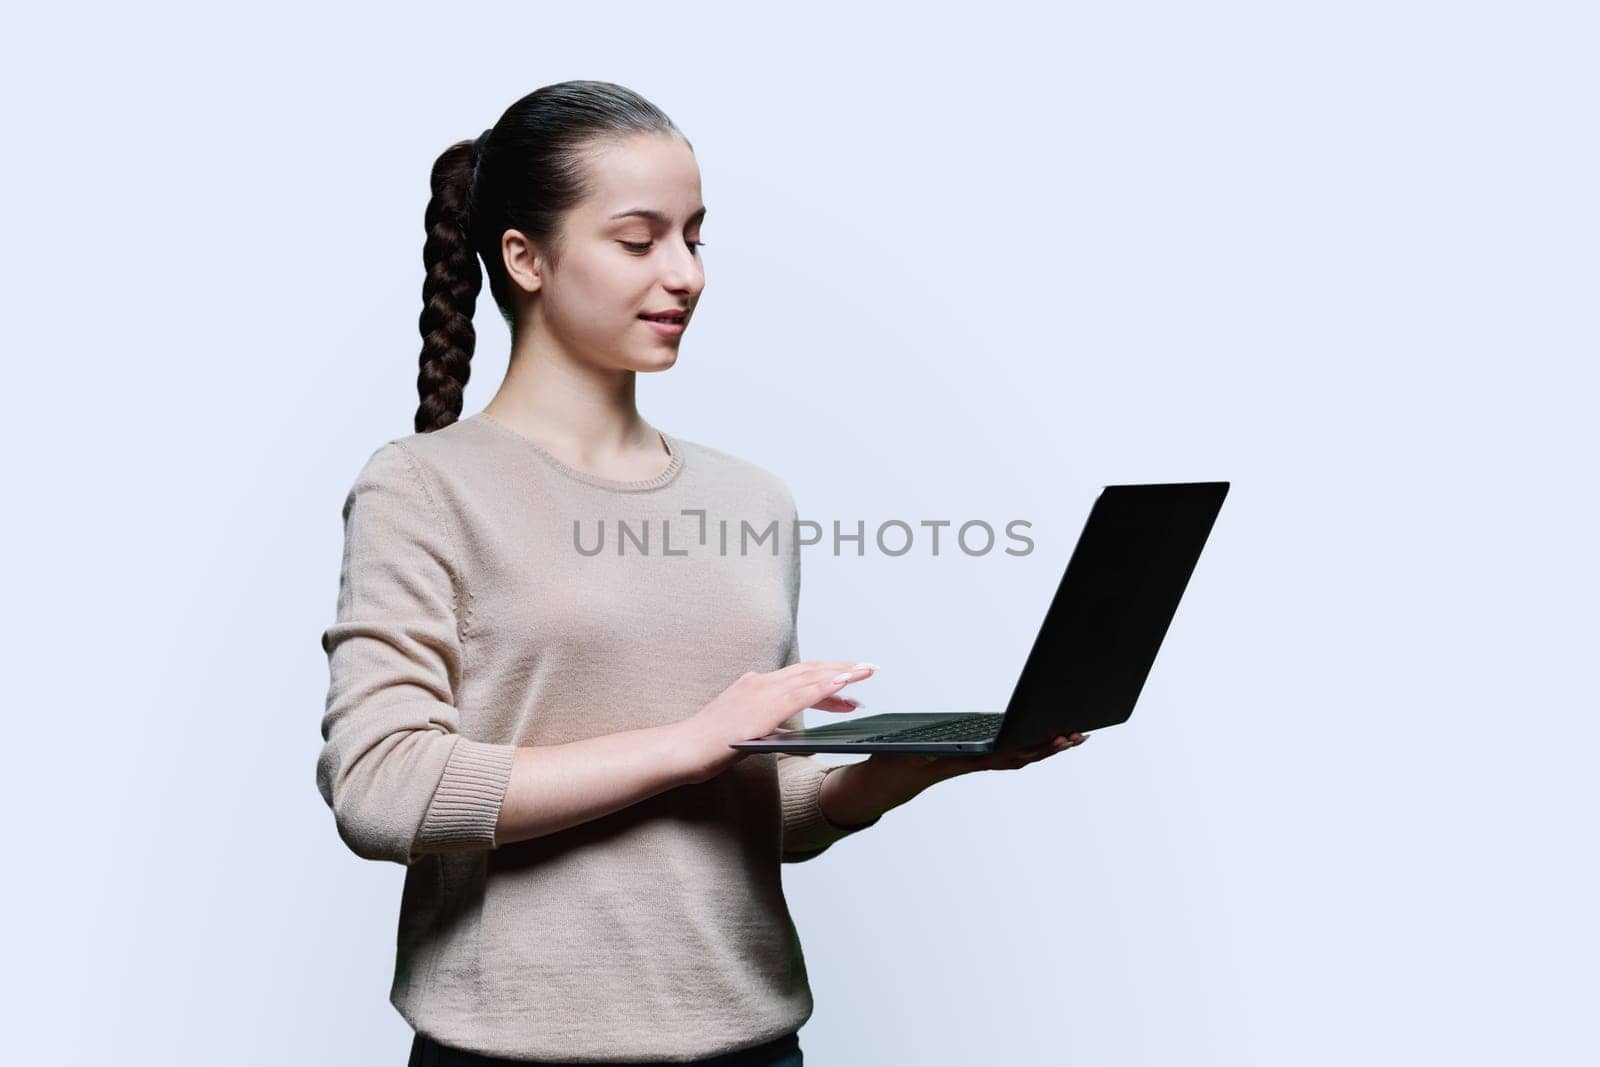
685 275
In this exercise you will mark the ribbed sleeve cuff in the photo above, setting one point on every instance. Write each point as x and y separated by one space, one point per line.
466 805
805 828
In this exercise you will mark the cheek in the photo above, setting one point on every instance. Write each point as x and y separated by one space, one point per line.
613 292
589 308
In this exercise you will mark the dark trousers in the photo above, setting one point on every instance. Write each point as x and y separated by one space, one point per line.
780 1052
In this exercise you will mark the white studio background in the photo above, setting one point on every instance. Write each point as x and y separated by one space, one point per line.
1342 255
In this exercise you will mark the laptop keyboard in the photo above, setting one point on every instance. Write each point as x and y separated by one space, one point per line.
982 727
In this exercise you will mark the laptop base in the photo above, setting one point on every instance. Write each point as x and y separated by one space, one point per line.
851 736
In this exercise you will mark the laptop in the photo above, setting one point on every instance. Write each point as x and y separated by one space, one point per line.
1094 649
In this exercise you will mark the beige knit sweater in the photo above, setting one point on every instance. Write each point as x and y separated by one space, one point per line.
472 619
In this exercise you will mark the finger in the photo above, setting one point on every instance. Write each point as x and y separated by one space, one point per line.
1034 753
1059 743
840 703
821 682
798 677
795 672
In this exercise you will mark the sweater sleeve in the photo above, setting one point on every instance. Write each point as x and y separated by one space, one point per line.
399 777
807 832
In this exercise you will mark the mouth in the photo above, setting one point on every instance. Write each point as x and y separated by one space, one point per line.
668 324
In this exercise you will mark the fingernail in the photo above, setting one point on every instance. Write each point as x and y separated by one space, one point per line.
866 666
841 677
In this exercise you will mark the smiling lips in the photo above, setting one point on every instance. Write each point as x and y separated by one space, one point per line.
667 323
665 329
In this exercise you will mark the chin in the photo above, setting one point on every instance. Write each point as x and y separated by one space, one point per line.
662 360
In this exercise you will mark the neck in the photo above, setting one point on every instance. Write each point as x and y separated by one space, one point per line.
586 411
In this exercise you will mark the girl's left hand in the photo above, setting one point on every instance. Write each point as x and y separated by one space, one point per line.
935 768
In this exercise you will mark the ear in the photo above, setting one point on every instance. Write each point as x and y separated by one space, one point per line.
523 261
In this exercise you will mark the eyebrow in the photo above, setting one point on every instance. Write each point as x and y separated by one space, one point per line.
656 216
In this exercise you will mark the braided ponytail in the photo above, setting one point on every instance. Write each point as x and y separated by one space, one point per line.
450 285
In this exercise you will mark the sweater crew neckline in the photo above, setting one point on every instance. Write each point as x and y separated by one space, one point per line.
657 481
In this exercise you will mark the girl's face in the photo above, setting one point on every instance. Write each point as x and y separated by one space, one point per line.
630 249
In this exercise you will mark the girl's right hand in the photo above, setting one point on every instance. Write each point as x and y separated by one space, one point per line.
757 704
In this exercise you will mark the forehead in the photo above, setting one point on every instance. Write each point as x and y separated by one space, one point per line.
652 171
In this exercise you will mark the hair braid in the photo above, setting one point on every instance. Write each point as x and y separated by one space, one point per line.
451 282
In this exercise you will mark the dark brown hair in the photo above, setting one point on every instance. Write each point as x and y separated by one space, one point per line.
524 173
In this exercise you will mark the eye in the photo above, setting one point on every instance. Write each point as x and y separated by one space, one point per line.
634 247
